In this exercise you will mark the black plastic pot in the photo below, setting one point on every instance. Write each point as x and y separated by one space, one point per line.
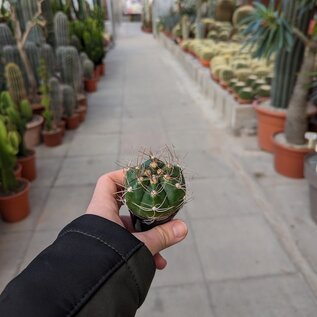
311 176
144 224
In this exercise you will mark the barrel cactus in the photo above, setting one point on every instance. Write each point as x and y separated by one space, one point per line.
241 13
61 29
246 94
264 91
155 191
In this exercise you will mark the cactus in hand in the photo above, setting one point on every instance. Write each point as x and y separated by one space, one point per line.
15 83
69 100
9 144
154 192
61 29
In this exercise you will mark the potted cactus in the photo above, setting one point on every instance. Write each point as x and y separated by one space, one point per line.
89 78
263 92
14 193
16 87
52 133
290 147
279 26
69 105
245 96
154 192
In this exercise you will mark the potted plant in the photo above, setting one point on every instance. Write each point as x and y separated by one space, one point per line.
52 133
272 32
89 78
14 193
290 147
16 88
155 191
69 104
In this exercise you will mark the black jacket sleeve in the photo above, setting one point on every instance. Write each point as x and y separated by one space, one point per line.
94 268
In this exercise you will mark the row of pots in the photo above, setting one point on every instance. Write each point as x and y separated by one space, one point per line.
16 206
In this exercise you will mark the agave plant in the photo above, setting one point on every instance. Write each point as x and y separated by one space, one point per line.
155 190
270 32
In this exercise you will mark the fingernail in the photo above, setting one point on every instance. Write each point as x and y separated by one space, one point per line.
179 229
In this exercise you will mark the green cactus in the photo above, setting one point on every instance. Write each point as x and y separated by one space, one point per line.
75 41
269 79
224 10
88 68
83 56
226 75
251 79
241 13
262 72
56 100
264 91
246 94
224 35
6 36
49 18
154 191
9 144
47 54
243 74
32 53
239 86
69 100
61 29
233 82
15 83
70 66
258 83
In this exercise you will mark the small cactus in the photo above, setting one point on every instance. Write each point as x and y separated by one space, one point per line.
83 56
56 100
34 58
258 83
226 75
88 67
15 83
243 74
69 100
246 94
155 191
233 82
251 79
239 86
61 29
47 54
264 91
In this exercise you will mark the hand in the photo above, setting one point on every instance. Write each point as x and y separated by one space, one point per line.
105 204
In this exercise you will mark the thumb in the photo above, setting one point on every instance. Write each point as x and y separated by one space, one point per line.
163 236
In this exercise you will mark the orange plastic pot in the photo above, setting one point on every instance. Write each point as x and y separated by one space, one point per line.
82 113
289 160
72 122
28 166
102 69
16 207
90 85
62 126
18 171
82 100
204 63
270 121
53 138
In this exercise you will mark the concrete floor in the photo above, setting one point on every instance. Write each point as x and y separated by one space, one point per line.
251 248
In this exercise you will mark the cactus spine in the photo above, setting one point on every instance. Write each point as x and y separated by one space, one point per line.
154 191
61 29
6 36
15 83
69 100
287 63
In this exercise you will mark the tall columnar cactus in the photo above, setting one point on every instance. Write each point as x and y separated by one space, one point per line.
70 67
185 24
49 17
61 29
34 58
155 191
69 100
47 54
88 68
225 9
56 100
15 83
288 62
6 36
83 56
36 35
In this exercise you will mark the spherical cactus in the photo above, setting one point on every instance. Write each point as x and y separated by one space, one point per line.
241 13
34 58
6 36
233 82
264 91
239 86
226 75
262 72
15 83
258 83
246 94
61 29
83 56
243 74
69 100
251 79
88 67
154 192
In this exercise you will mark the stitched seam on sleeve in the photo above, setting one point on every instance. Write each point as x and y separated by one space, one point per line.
124 259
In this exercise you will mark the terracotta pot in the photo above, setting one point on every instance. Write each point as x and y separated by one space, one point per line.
243 101
90 85
18 171
37 108
62 126
82 113
72 122
270 121
147 30
52 138
82 100
204 63
102 69
96 74
32 136
28 166
16 207
289 160
310 173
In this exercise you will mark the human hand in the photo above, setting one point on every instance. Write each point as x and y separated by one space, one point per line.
105 203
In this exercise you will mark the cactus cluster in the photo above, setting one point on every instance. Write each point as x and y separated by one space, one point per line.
155 191
69 100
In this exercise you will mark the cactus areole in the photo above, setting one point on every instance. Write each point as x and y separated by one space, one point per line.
154 192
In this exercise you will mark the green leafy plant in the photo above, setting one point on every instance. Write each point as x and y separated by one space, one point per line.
155 190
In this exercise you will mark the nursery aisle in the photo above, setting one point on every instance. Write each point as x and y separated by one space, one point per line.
240 257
